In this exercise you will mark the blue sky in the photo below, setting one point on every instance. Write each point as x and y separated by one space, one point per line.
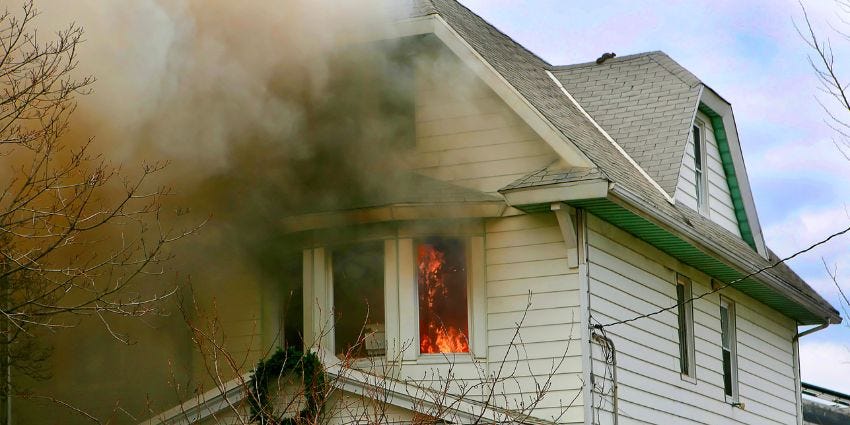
750 53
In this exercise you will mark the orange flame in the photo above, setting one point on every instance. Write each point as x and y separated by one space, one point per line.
435 335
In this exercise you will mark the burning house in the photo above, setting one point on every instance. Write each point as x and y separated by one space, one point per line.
521 243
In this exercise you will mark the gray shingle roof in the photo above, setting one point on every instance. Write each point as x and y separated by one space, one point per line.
547 176
646 102
527 73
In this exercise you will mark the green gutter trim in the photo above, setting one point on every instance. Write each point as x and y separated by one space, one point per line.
731 177
684 251
679 247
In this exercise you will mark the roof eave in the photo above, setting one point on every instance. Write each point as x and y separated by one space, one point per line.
393 212
558 192
829 315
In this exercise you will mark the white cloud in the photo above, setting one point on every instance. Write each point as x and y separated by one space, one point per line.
808 226
809 158
826 364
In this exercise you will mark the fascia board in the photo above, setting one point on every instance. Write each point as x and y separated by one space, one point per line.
711 99
516 101
637 206
572 191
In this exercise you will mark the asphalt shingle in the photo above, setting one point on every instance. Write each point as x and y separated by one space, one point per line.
644 83
647 106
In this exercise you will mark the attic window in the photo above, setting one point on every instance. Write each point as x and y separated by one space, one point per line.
358 295
699 166
443 294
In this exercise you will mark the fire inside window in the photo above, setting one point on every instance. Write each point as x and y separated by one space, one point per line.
442 285
358 292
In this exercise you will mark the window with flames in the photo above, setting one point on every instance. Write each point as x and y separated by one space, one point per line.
443 294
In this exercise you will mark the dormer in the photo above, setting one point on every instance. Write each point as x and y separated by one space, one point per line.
712 178
678 131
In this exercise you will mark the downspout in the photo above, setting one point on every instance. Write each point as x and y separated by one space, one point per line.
820 327
798 383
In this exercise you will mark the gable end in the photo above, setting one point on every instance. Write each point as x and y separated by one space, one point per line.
731 176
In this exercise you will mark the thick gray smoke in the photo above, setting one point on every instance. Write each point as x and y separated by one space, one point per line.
264 109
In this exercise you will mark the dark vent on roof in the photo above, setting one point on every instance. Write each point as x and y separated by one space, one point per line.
605 57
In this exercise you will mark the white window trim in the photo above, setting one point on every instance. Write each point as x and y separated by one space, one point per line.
701 175
400 301
476 304
688 309
733 350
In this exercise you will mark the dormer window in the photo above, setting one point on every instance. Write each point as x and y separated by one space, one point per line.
699 166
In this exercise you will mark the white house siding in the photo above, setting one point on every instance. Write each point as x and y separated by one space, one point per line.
628 278
523 255
467 135
720 206
526 255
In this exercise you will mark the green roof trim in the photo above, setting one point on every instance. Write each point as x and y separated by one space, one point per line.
684 251
731 177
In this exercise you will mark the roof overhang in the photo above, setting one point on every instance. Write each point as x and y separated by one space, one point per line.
561 192
616 205
684 243
393 212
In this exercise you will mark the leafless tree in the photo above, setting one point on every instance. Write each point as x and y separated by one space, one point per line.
75 231
834 89
436 394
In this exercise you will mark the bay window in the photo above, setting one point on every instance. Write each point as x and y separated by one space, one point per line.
407 297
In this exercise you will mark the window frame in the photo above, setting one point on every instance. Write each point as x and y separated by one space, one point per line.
700 159
685 327
730 340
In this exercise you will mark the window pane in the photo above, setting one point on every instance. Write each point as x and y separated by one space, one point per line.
697 148
724 326
683 330
358 280
443 311
727 372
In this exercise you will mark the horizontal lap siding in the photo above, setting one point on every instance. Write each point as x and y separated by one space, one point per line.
629 278
530 285
466 134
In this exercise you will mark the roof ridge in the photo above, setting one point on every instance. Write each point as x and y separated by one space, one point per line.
676 73
615 59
